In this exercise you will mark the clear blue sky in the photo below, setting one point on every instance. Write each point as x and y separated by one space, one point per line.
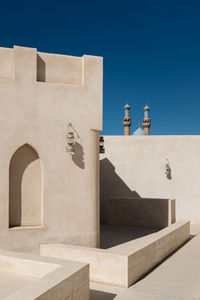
151 52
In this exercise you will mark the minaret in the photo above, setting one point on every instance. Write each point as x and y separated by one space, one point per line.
127 120
146 122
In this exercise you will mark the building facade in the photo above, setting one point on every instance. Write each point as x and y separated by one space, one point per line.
46 195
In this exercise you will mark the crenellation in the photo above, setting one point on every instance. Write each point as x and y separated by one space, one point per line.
6 63
27 64
53 68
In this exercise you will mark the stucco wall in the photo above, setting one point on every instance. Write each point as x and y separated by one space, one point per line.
135 167
37 102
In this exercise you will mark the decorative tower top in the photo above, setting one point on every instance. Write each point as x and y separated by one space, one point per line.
127 119
146 122
146 111
127 109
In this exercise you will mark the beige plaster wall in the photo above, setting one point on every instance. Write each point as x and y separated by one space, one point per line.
35 110
134 166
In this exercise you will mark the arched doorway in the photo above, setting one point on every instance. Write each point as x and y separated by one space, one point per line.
25 188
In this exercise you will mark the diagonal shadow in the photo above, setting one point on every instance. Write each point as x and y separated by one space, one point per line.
78 157
99 295
121 206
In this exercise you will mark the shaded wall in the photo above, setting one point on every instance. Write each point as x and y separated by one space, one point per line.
139 212
124 207
136 166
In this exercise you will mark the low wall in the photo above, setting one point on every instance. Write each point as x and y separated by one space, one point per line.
149 256
124 264
105 267
28 277
139 212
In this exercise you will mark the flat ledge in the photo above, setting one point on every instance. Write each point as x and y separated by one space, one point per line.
27 227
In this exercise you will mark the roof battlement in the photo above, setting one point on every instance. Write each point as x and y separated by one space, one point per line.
26 64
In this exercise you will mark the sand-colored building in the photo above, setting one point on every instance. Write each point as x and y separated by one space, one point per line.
46 194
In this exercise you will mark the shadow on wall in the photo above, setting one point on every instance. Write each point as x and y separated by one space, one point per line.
124 207
168 170
169 174
111 185
112 235
41 69
78 157
98 295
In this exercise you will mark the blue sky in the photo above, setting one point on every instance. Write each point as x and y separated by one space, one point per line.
151 52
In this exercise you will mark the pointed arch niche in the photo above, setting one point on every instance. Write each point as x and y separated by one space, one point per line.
25 188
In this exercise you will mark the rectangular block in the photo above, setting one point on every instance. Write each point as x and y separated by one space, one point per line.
6 63
25 64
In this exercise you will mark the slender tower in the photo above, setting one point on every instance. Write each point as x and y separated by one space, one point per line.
146 122
127 119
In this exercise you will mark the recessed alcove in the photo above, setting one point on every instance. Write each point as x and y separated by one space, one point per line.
25 188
